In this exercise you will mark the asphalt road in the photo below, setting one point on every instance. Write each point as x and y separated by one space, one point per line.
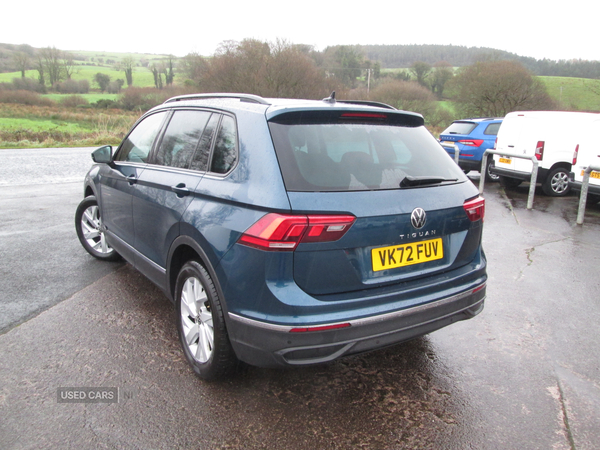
524 374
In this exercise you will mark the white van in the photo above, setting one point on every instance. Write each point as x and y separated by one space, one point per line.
587 154
550 136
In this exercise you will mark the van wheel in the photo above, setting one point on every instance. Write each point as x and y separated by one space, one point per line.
507 182
489 176
557 183
201 324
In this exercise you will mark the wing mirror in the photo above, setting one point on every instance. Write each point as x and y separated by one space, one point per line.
103 154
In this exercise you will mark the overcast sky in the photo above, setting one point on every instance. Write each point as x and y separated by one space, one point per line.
565 30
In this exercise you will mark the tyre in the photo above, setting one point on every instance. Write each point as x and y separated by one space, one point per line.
488 175
201 325
557 182
507 182
90 231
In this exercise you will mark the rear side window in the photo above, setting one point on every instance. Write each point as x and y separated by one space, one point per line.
225 152
492 129
353 156
181 138
460 128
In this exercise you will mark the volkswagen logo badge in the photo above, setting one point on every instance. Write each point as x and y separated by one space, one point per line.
418 218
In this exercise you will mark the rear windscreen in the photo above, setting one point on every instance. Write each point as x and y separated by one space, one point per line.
460 128
343 155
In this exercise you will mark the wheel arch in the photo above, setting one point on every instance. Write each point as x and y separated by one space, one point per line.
185 249
562 164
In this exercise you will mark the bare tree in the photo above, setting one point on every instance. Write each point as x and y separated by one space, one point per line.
56 64
496 88
22 62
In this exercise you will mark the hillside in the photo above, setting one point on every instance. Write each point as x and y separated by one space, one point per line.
389 56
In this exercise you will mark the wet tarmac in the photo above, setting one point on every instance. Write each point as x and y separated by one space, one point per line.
524 374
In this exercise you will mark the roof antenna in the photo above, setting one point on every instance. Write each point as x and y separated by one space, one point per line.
331 98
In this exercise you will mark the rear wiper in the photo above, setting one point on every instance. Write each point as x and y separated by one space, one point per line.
409 181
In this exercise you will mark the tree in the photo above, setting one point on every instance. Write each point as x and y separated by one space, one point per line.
421 71
169 70
406 95
345 62
126 65
271 70
157 74
102 80
55 64
193 67
22 62
441 74
495 88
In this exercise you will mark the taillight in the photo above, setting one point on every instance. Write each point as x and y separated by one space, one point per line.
575 154
495 143
475 209
279 232
471 142
539 150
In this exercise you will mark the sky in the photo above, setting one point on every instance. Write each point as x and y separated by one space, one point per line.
528 28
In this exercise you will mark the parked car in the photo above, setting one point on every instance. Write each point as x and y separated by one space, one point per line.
587 153
473 137
550 136
289 232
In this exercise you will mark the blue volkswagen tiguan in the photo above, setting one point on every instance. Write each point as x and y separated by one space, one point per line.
289 232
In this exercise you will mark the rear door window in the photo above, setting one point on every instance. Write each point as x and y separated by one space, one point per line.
181 138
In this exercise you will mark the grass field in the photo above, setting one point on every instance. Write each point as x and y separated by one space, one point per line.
580 94
142 77
41 126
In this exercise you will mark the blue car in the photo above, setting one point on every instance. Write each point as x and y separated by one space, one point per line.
473 137
289 232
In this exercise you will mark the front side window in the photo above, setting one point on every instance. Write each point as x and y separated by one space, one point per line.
137 145
181 138
345 156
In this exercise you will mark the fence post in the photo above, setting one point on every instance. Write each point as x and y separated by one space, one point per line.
584 192
532 180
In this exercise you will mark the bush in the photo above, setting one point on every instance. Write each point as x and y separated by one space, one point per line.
105 104
27 84
73 87
24 98
73 101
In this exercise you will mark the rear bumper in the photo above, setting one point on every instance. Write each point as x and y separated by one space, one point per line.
576 186
525 176
270 345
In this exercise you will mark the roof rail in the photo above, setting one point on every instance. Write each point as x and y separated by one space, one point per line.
367 103
241 97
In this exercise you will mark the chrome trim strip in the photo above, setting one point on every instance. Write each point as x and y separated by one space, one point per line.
137 253
369 320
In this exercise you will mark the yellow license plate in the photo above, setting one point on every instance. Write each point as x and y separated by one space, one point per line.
592 174
505 160
384 258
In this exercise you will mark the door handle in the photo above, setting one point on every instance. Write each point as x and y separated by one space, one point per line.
180 190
